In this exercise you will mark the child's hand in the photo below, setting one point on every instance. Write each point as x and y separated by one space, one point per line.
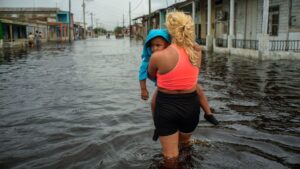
145 94
197 47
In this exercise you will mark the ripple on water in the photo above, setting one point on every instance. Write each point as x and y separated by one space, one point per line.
78 106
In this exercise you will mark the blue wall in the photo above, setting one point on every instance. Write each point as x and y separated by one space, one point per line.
63 17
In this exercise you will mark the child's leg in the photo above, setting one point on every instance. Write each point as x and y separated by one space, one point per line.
203 101
153 101
205 106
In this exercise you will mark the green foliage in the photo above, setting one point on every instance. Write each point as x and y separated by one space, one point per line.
118 30
100 30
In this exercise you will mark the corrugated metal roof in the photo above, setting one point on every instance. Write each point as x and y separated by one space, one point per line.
41 9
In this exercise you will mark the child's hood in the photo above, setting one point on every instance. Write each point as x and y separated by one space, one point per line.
154 33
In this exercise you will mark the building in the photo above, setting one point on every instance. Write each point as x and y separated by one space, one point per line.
140 27
137 31
78 31
17 23
266 29
50 23
60 28
256 28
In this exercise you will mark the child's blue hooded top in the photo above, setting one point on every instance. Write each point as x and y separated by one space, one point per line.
147 52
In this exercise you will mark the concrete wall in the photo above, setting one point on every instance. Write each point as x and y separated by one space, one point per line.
278 55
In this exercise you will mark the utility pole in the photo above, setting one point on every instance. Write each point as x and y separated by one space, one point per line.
123 22
129 20
69 21
92 24
84 28
149 1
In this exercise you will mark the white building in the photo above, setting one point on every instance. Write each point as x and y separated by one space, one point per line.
257 28
260 27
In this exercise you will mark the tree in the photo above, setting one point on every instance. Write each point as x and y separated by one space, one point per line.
118 30
100 30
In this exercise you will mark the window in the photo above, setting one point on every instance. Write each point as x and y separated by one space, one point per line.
294 21
273 21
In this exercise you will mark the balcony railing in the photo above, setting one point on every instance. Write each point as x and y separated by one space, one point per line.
221 42
285 45
201 41
245 44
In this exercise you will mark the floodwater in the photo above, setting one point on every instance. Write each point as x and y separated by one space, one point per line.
78 106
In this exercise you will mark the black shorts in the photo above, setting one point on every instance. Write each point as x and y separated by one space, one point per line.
176 112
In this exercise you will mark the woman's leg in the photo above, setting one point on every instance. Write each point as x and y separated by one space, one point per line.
170 149
170 145
185 139
185 145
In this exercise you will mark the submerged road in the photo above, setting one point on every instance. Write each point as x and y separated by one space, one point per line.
78 106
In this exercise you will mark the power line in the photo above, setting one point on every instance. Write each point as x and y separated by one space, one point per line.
137 5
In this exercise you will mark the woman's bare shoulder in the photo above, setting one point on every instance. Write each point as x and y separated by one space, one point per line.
163 54
169 51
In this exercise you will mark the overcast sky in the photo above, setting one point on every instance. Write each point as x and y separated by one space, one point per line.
107 13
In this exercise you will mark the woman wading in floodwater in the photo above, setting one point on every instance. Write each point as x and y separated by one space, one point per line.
176 68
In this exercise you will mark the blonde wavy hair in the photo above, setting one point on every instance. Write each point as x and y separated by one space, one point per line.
182 30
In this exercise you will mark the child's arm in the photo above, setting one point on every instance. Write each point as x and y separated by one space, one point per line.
143 75
203 100
198 49
144 91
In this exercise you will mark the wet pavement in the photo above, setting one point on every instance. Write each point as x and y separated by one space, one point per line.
79 106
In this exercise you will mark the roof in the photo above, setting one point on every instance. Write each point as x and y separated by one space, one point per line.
139 17
21 22
152 13
41 9
180 4
28 10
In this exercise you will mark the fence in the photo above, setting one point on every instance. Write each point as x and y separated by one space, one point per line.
284 45
221 42
201 41
245 44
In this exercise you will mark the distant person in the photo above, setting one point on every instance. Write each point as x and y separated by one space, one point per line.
38 38
30 40
40 35
157 40
108 36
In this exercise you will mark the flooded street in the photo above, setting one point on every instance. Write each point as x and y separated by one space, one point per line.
78 106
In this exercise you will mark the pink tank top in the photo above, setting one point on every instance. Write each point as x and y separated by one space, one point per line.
183 76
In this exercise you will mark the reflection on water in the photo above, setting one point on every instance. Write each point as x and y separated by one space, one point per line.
78 106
